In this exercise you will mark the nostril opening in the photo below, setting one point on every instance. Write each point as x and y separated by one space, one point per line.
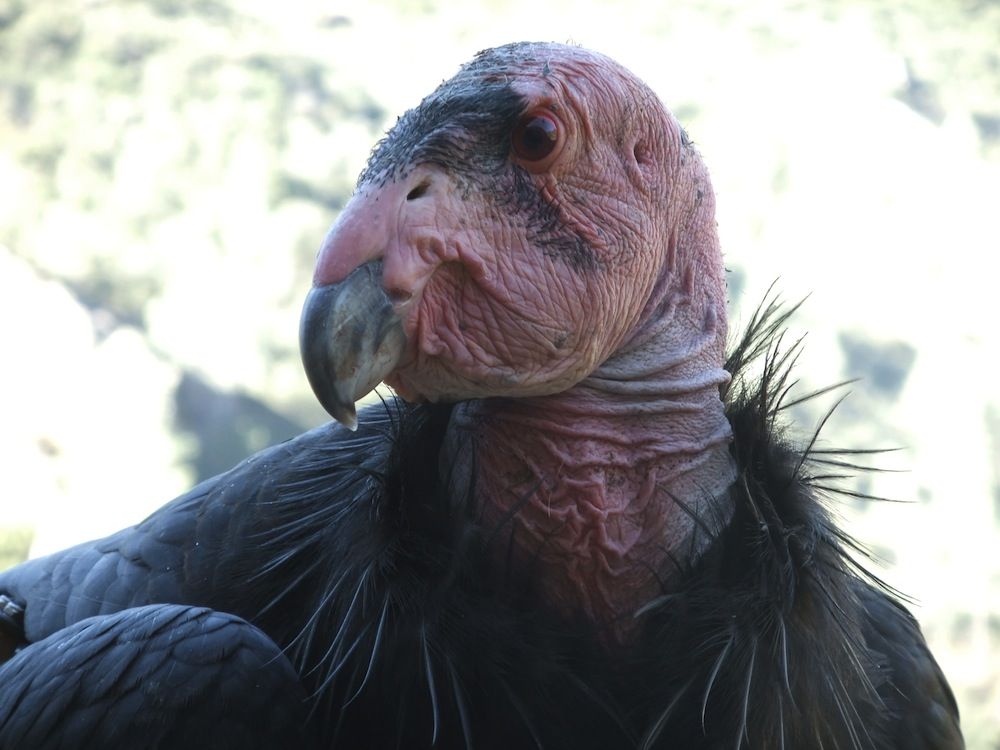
419 190
398 296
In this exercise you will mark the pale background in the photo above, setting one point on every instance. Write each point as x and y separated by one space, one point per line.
168 168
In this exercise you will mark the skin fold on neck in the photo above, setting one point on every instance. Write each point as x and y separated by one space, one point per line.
594 490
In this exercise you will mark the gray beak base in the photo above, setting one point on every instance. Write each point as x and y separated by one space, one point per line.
350 339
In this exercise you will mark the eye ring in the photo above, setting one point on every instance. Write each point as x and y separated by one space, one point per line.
536 137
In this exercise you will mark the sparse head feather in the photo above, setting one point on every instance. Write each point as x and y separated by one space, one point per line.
547 266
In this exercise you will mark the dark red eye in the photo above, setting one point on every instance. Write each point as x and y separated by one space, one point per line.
535 137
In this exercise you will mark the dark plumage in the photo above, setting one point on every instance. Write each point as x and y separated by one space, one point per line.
353 557
161 675
606 543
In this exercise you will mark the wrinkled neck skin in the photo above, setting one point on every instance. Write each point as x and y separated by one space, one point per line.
594 491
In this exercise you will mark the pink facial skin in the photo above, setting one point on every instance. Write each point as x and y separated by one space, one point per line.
574 303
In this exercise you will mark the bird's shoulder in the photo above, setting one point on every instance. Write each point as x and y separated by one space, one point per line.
922 708
161 675
194 548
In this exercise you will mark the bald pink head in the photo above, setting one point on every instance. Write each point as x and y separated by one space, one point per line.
536 213
537 240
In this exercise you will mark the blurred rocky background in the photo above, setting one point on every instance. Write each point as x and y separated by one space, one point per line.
168 168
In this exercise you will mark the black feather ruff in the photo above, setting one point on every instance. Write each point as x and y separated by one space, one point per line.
762 642
357 556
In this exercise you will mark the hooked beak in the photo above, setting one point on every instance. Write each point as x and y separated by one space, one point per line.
351 338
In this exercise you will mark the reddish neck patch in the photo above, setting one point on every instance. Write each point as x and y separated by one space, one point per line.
593 490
